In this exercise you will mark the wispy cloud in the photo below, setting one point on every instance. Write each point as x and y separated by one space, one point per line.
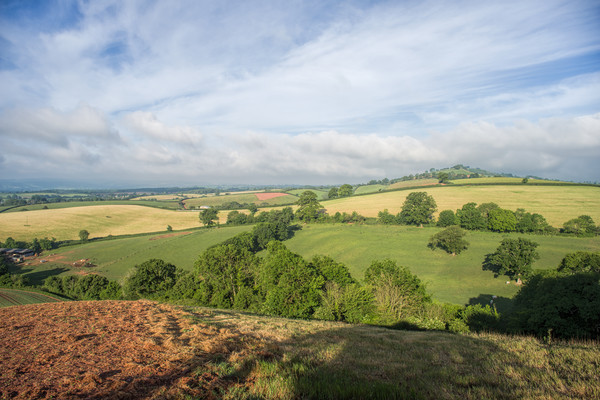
198 91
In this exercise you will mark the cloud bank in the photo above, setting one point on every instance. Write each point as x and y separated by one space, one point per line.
198 92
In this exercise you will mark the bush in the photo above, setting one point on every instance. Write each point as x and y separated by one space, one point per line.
565 305
151 279
447 218
580 261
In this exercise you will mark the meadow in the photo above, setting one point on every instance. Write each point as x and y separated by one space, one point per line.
321 194
455 279
557 204
213 201
98 220
114 258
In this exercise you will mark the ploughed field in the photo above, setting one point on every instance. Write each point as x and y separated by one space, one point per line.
142 349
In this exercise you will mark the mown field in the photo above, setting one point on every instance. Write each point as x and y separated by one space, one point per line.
212 201
557 203
13 297
114 258
171 205
416 182
204 353
370 189
98 220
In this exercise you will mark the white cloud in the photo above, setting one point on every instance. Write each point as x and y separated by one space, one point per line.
146 124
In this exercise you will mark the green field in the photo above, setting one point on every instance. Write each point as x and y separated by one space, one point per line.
557 203
370 189
13 297
213 201
113 258
413 183
321 194
452 279
171 205
504 179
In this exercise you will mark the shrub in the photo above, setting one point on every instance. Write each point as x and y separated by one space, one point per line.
450 239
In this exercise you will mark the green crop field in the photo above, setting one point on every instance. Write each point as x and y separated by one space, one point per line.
99 221
510 180
321 194
557 203
113 258
454 279
239 198
12 297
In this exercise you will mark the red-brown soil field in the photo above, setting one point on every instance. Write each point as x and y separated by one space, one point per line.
268 196
112 349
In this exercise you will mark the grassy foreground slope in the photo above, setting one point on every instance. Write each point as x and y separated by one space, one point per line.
151 350
114 258
99 221
454 279
557 203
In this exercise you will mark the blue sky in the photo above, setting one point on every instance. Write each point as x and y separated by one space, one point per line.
145 93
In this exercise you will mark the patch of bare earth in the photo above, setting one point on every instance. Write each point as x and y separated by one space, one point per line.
111 349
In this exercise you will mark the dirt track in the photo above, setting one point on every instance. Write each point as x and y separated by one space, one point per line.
108 349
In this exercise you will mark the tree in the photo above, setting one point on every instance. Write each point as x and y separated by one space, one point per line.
447 218
396 290
501 220
208 216
443 177
565 305
524 180
83 235
309 206
385 217
470 217
418 209
333 193
226 273
580 226
169 228
252 208
450 239
150 279
580 261
345 190
513 258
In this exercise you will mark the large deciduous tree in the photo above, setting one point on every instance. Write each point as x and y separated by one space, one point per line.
345 190
208 216
513 258
450 239
309 206
418 209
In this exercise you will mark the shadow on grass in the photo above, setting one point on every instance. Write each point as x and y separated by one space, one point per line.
502 304
337 361
38 277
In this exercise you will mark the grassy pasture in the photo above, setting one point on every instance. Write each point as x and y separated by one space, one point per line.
409 184
370 189
240 198
505 179
113 258
70 204
321 194
328 360
99 221
159 197
12 297
557 203
452 279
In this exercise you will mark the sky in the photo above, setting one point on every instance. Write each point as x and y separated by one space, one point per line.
194 92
